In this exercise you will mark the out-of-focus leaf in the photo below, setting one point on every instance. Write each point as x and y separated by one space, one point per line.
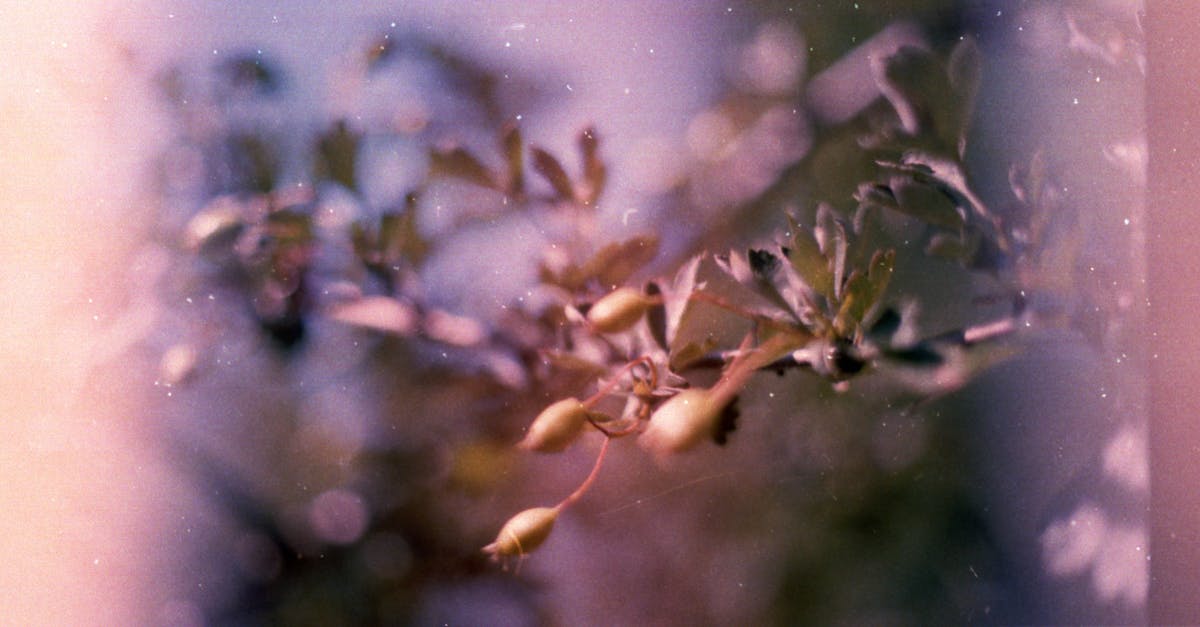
399 237
290 226
337 155
953 246
553 172
448 328
917 85
250 72
255 162
217 226
178 363
965 70
514 156
926 203
595 173
378 313
612 265
831 235
809 263
379 50
458 162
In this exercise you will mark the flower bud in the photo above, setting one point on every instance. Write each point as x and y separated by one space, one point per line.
619 310
682 422
523 533
556 427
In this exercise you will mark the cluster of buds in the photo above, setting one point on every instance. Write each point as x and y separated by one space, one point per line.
680 423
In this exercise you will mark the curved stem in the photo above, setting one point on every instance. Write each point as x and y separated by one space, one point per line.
608 387
587 483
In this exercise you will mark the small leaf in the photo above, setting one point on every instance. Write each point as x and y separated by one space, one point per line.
808 262
337 155
927 203
595 173
378 313
458 162
399 238
553 172
448 328
514 155
863 292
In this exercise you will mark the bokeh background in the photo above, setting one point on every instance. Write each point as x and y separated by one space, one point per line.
178 452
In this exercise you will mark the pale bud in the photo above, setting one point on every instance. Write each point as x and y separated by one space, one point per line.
682 422
619 310
556 427
523 533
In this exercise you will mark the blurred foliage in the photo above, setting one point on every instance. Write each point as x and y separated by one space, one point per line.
835 226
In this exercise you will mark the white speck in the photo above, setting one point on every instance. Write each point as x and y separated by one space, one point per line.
516 26
518 118
96 561
508 44
214 51
999 13
1097 79
1075 101
626 91
569 87
625 216
393 25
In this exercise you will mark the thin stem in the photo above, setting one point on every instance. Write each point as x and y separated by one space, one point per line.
587 483
608 387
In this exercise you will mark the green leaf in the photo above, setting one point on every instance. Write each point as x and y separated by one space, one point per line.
927 203
807 260
863 292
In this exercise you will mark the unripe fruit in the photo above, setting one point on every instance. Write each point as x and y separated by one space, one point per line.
619 310
556 427
523 533
682 422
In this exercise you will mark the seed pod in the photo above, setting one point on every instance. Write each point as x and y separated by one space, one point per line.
682 422
523 533
556 427
619 310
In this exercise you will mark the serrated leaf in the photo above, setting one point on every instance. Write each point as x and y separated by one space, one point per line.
595 173
862 293
553 172
514 156
810 264
458 162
